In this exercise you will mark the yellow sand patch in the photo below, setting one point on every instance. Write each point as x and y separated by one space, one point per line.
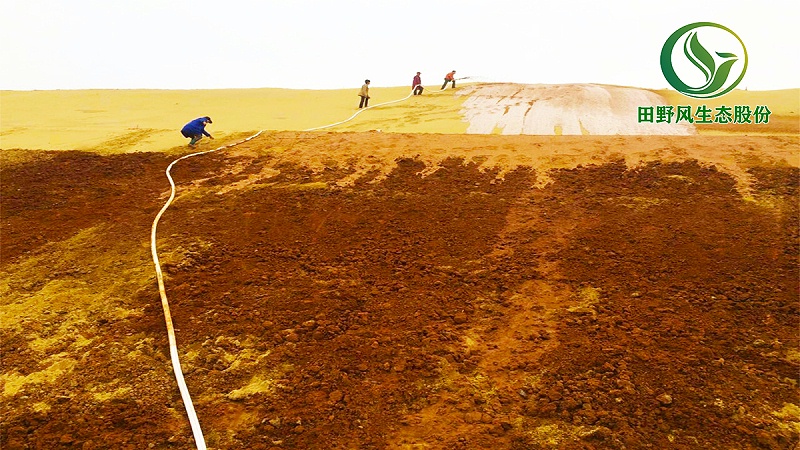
63 335
304 186
793 355
54 297
61 295
681 178
447 380
14 383
81 341
589 295
553 434
84 286
764 201
120 121
9 158
471 343
534 379
482 387
435 112
135 354
790 413
550 434
249 358
120 313
111 395
259 384
42 344
41 407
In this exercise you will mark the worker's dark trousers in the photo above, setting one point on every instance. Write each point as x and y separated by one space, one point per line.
364 102
447 81
418 90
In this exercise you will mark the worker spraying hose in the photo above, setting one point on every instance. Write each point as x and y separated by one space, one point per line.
449 78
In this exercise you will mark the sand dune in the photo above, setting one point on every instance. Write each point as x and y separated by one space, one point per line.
115 121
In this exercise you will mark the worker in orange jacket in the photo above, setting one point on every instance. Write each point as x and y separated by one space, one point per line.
450 78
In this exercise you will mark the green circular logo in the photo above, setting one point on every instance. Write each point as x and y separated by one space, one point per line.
693 70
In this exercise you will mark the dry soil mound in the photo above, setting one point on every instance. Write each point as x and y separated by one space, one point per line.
562 109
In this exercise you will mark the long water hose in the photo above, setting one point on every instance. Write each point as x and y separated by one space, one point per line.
173 347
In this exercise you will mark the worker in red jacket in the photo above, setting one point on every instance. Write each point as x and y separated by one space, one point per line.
450 78
417 84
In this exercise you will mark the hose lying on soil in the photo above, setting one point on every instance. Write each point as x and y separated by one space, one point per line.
173 347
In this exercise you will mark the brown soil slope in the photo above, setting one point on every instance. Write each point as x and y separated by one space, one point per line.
450 303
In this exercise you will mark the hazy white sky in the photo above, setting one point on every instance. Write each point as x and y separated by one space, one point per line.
180 44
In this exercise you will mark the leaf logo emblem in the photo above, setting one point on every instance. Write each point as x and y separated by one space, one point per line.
716 71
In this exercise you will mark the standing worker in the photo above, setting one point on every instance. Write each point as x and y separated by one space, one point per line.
196 129
417 84
364 94
450 77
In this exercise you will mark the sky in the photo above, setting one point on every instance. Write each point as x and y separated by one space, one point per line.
302 44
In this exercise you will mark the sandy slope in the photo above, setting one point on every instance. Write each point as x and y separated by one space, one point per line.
113 121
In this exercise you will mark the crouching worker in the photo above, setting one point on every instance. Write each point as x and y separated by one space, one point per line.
196 129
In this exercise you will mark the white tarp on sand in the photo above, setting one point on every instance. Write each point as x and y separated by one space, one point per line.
570 109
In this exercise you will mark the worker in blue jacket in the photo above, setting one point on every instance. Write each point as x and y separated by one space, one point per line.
196 129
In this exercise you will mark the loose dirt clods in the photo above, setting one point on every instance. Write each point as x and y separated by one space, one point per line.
455 292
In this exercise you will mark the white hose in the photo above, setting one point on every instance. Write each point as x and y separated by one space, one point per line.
362 110
173 347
